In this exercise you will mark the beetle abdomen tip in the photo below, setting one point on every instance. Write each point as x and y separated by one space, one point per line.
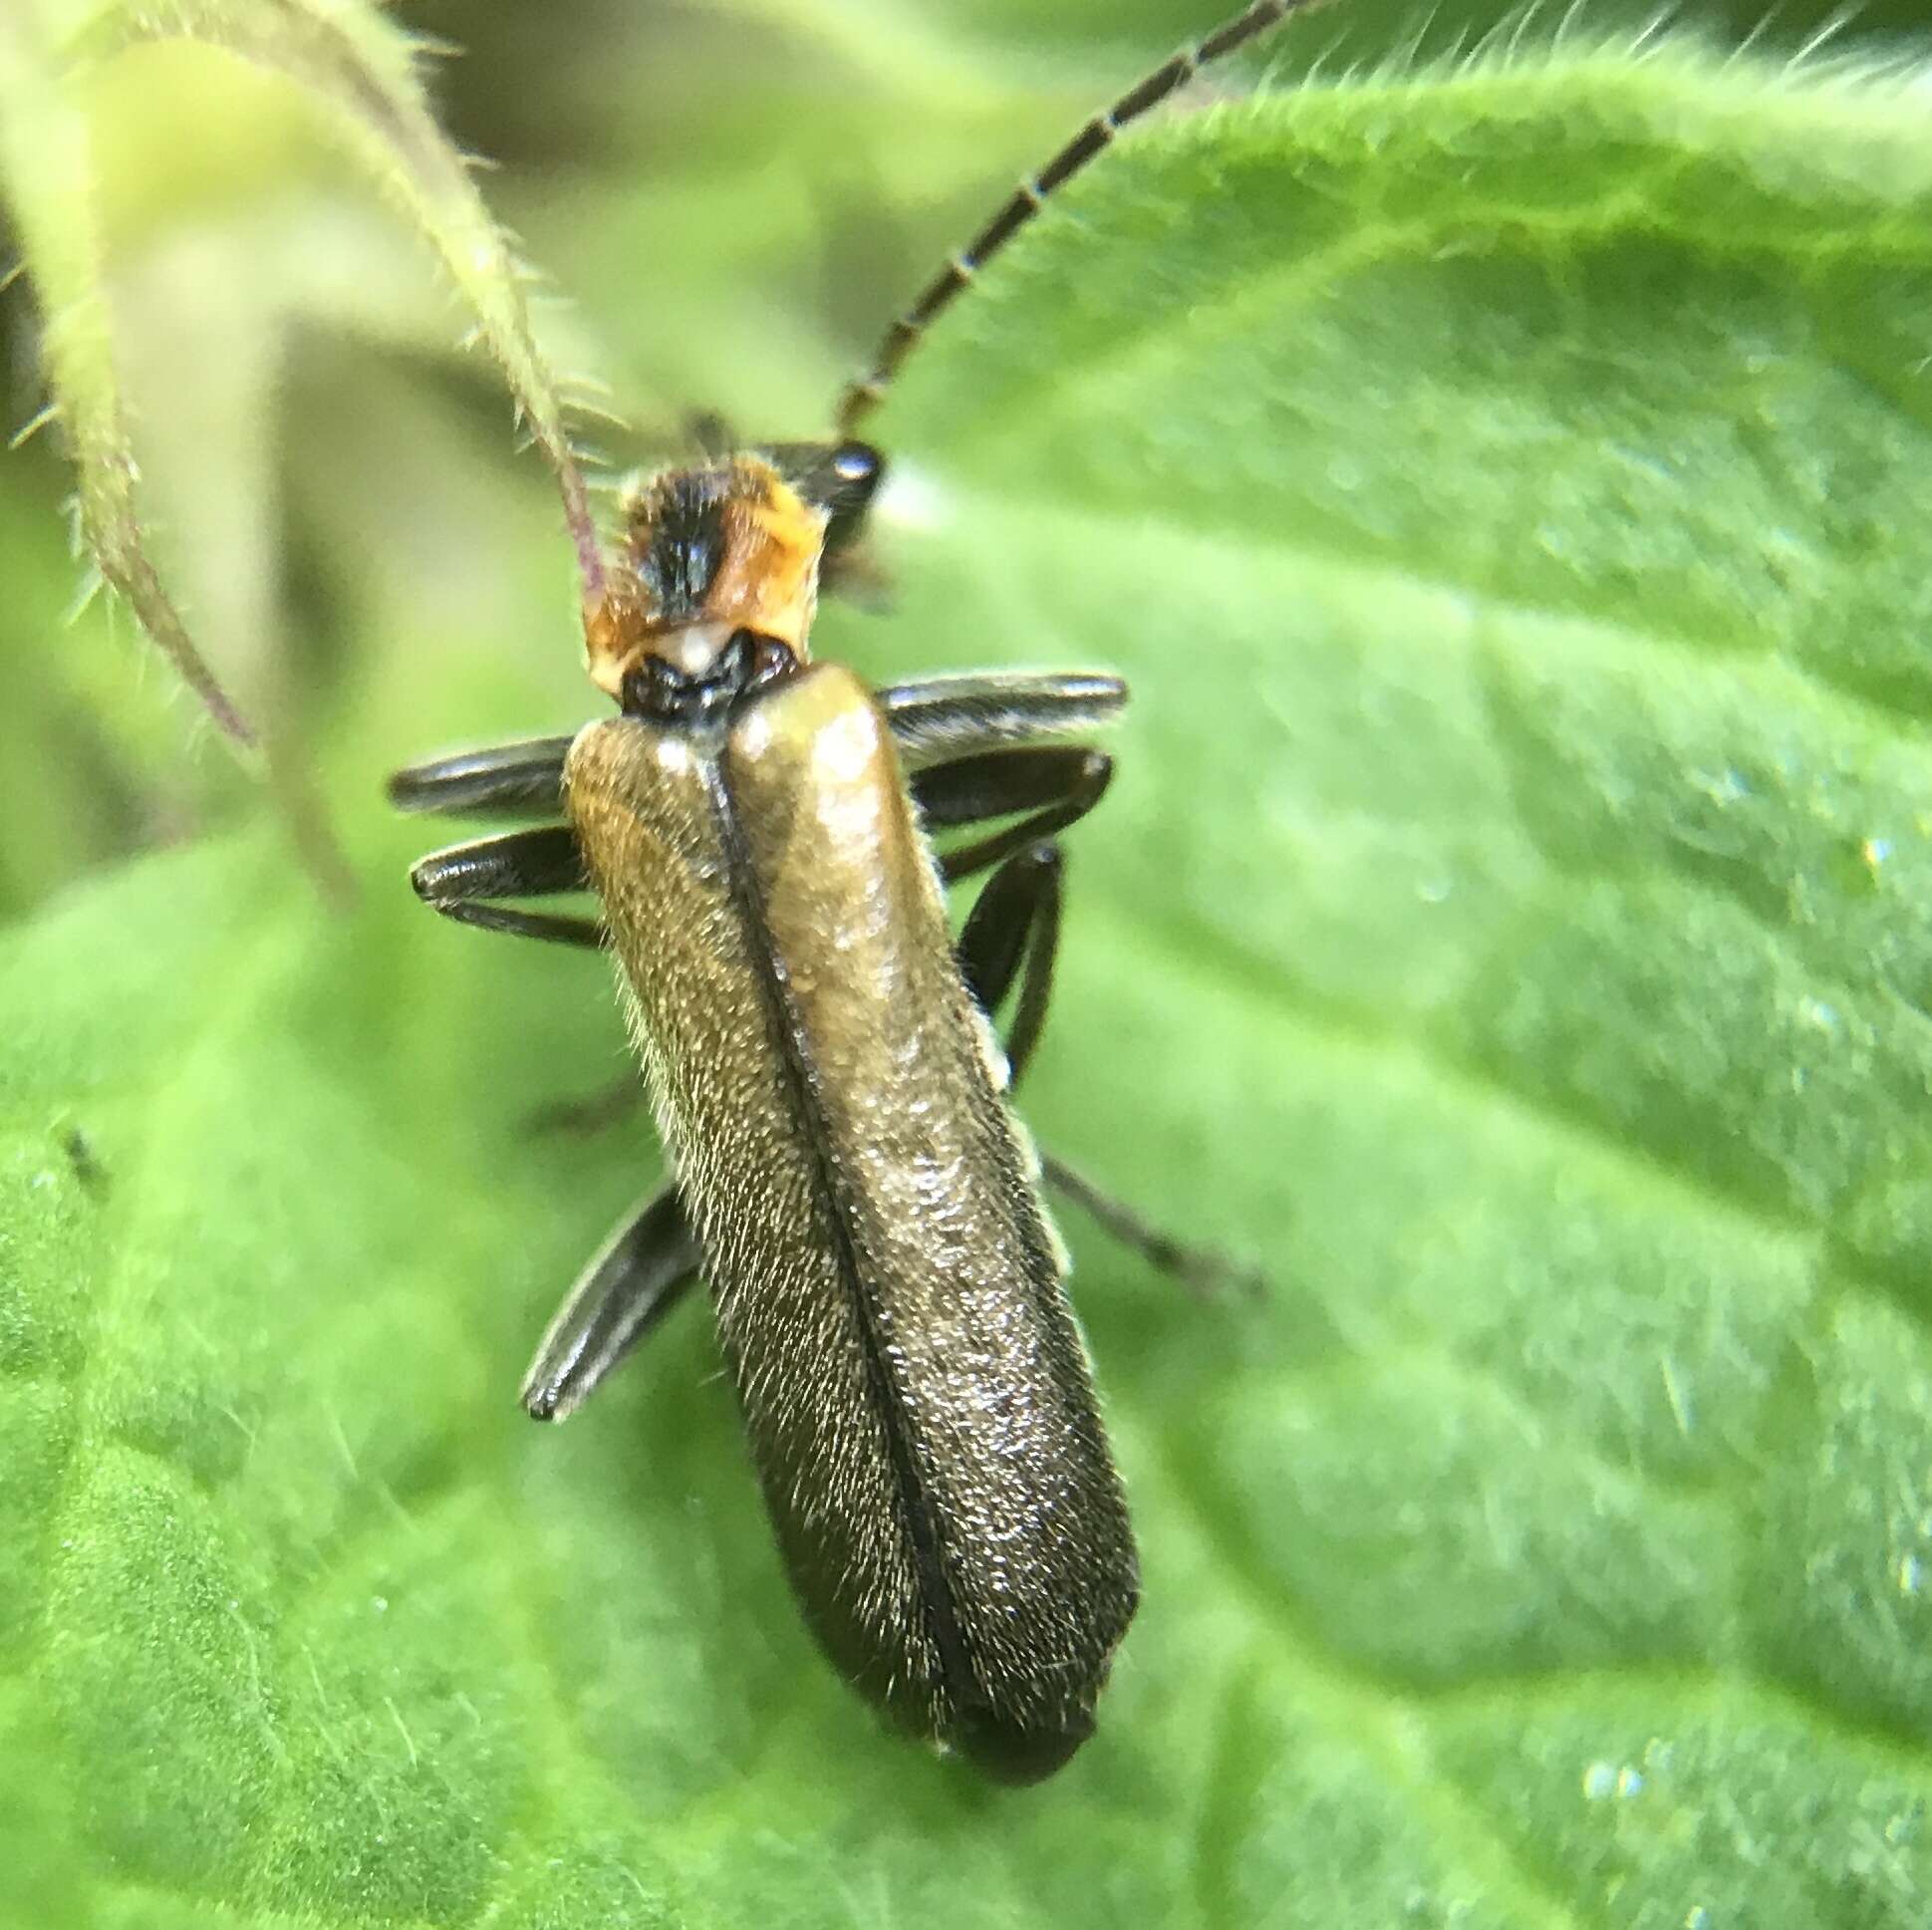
1009 1752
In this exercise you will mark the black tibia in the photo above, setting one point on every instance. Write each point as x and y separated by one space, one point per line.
510 780
1055 786
1000 783
1202 1270
1014 932
645 1268
461 881
943 718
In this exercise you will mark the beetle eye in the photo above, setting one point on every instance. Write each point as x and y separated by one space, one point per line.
855 461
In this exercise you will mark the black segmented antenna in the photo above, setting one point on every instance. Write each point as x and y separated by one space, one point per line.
1092 140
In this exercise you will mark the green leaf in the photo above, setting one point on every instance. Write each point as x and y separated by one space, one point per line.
1511 921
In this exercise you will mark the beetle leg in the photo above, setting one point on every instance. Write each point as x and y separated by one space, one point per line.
942 717
1201 1270
1000 783
1014 932
459 881
642 1270
594 1113
507 780
1054 784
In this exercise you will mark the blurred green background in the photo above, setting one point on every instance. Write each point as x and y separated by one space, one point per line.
733 198
1510 923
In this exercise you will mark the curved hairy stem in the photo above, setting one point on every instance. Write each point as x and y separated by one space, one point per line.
46 176
362 71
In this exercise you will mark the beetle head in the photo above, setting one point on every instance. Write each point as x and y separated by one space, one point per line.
709 555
